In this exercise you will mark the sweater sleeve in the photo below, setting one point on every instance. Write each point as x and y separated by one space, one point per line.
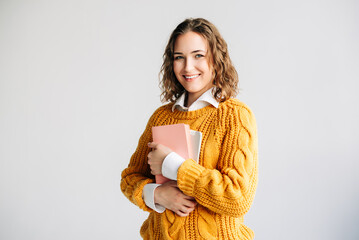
137 174
230 188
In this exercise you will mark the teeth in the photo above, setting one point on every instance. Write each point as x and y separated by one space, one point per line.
189 77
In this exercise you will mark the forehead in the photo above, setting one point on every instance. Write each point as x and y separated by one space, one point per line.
190 41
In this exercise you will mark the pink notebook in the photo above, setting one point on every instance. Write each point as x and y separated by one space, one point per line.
177 137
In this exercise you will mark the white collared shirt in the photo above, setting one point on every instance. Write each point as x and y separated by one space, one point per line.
203 101
173 161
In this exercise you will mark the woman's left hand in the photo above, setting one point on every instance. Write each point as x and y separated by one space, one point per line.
156 157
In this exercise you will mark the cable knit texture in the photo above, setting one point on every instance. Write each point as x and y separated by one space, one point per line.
223 182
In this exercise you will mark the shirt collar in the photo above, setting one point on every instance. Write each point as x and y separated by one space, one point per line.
204 100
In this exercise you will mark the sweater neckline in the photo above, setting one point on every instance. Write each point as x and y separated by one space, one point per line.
190 114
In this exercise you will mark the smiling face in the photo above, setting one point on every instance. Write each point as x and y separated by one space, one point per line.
191 65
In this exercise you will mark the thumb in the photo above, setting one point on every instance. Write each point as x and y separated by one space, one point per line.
173 183
152 145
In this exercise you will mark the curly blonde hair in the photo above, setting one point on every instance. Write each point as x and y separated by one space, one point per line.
225 75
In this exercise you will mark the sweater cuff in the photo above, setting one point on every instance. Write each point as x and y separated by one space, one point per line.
188 173
171 164
138 193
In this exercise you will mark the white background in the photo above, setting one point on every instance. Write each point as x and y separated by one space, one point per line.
79 80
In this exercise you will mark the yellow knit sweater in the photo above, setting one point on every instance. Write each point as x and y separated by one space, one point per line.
223 182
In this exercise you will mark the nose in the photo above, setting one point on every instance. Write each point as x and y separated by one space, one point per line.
188 65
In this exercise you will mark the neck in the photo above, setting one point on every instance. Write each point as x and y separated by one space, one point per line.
192 97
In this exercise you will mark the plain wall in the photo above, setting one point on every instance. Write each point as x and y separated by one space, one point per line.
79 80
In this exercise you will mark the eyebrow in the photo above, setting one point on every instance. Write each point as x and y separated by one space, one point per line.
195 51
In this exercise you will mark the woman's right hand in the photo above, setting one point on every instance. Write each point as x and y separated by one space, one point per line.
169 196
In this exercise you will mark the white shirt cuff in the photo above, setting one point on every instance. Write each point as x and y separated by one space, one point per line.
148 195
171 164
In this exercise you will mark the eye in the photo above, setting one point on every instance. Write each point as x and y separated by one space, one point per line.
178 57
199 55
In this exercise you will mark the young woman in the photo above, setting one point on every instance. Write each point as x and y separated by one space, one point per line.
208 199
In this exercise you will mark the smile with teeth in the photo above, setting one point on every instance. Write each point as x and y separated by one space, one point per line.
191 76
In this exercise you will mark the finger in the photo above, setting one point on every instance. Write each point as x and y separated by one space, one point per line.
152 145
190 204
181 214
186 209
190 198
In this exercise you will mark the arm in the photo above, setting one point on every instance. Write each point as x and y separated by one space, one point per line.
168 195
230 188
137 174
138 186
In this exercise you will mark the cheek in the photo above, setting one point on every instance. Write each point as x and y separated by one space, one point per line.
206 70
176 67
205 67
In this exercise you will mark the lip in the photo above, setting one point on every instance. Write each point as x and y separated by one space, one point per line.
191 79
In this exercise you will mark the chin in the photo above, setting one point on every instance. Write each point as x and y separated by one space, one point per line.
192 90
191 87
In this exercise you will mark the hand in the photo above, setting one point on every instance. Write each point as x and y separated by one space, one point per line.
169 196
156 157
